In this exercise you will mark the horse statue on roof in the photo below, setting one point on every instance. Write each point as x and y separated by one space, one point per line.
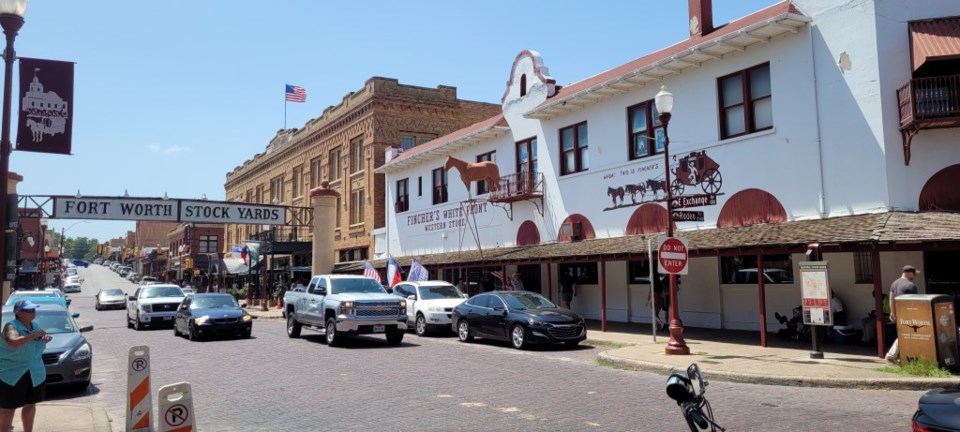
471 172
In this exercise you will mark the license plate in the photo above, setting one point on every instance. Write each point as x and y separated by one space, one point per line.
379 328
167 318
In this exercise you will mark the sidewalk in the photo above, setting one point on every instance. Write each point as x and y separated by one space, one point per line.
57 417
736 356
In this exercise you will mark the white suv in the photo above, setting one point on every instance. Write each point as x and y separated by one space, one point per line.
429 304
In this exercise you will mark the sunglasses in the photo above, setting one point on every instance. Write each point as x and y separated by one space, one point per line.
29 311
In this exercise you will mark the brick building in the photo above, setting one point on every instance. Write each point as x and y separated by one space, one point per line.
343 146
192 247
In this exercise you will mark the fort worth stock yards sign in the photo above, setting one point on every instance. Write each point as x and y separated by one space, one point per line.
171 210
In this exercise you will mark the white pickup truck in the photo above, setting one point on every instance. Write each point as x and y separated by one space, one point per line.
153 304
343 305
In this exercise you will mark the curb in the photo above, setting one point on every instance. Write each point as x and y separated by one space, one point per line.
615 362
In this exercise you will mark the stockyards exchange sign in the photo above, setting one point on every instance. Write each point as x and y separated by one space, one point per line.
167 210
450 218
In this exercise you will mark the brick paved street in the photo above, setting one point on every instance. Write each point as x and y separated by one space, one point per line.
270 382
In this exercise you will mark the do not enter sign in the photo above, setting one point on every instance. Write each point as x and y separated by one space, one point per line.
672 255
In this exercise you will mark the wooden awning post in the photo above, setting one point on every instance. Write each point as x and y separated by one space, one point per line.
549 282
761 276
603 296
878 301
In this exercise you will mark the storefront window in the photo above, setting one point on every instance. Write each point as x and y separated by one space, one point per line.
584 273
743 269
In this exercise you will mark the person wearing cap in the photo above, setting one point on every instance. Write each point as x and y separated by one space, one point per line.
22 374
903 285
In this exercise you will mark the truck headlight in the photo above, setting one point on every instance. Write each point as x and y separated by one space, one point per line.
403 304
82 353
201 320
145 308
346 308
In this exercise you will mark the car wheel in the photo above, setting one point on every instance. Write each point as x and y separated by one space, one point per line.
245 334
518 337
333 339
191 333
129 324
136 323
394 338
463 331
293 327
176 331
95 306
421 325
80 386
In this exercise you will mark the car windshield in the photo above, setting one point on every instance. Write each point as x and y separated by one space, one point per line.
527 301
161 292
52 322
439 292
113 292
358 285
215 302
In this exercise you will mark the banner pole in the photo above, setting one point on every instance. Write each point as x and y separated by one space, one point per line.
653 299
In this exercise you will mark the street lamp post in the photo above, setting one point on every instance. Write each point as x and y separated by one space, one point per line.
677 346
11 19
63 232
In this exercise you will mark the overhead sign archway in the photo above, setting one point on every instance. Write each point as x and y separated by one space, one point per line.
167 210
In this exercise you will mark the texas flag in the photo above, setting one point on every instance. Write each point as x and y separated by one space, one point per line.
394 272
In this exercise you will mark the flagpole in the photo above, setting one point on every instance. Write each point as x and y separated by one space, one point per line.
284 111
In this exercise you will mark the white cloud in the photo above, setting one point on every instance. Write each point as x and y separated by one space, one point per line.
171 149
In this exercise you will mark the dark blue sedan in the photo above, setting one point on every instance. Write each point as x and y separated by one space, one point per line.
521 317
206 315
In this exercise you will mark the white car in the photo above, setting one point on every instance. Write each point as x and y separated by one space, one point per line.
429 304
71 288
153 304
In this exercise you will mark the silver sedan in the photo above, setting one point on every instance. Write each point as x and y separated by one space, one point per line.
111 298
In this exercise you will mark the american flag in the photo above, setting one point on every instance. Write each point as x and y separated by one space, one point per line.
370 272
296 94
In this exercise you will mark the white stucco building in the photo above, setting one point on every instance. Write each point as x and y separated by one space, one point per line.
808 125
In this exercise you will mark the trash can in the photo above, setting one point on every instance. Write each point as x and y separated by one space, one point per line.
845 334
927 329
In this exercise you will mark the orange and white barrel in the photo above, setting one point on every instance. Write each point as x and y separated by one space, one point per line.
175 408
139 403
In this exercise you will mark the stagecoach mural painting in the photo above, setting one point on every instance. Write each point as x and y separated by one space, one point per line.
693 174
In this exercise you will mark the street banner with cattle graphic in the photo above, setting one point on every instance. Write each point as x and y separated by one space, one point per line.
45 123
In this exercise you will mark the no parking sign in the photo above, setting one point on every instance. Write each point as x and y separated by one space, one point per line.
175 407
138 389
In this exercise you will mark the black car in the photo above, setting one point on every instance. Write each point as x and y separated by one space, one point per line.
521 317
204 315
937 411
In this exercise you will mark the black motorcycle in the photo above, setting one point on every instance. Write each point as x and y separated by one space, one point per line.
937 411
689 393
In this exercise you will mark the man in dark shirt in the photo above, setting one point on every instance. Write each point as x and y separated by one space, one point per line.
904 285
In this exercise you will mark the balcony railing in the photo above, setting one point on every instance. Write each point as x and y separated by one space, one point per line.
280 234
930 102
518 186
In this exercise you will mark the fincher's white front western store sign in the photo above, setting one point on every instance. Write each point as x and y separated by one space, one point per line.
166 210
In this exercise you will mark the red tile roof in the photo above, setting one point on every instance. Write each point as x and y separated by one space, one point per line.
650 59
475 128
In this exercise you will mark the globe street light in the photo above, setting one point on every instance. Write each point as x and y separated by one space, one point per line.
11 19
664 102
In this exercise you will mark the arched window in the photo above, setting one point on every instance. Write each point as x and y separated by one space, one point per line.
523 85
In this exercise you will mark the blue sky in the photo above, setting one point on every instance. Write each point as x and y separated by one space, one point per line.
171 95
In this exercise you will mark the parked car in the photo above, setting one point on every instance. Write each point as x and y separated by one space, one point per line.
147 280
81 263
429 304
71 287
188 291
937 411
110 298
153 304
212 314
68 357
521 317
37 296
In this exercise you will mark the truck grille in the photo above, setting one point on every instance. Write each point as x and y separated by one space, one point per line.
164 307
379 309
566 331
